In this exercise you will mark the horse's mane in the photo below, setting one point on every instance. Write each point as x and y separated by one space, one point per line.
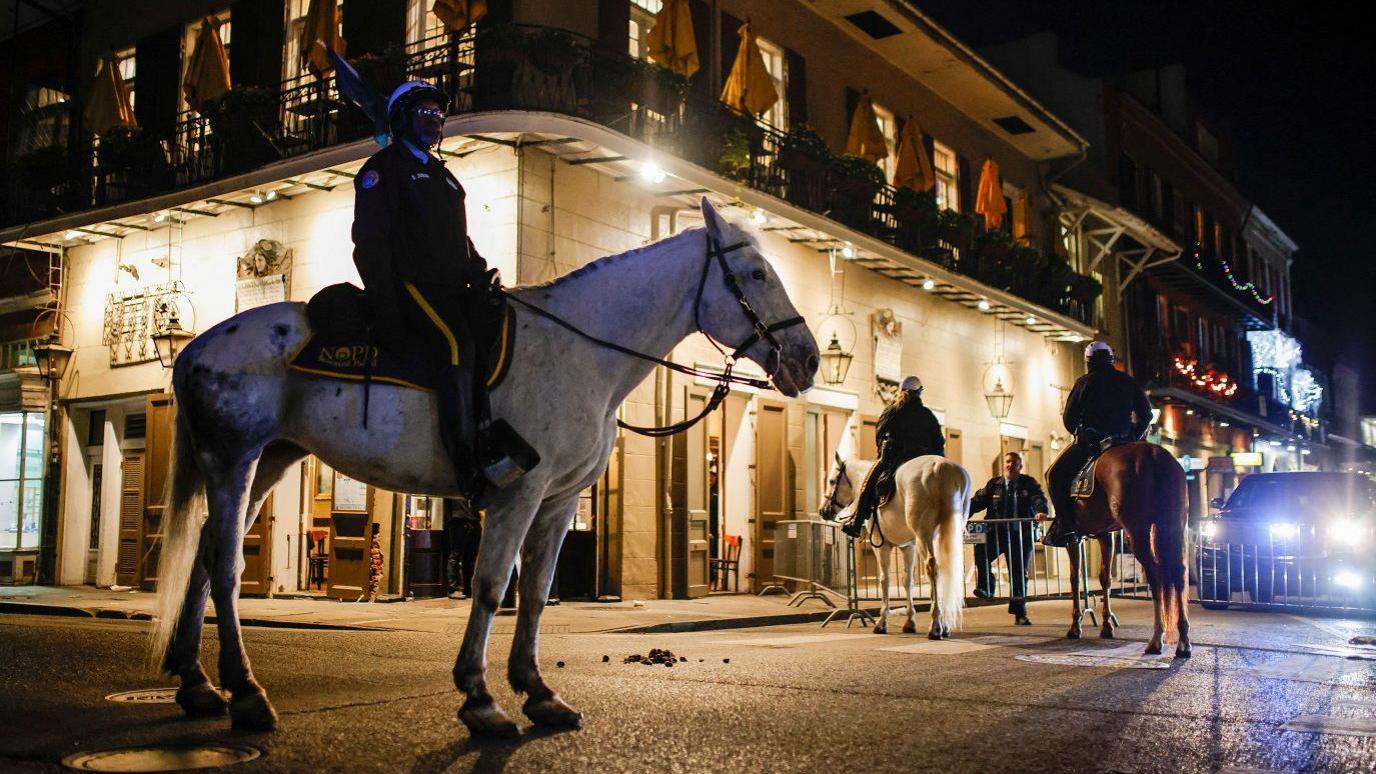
608 260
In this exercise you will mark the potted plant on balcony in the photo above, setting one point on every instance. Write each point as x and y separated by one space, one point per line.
500 49
661 89
130 162
854 183
242 120
804 156
555 52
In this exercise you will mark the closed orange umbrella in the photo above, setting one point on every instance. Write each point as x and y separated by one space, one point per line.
458 14
207 74
321 30
989 201
671 43
749 88
912 169
109 106
866 139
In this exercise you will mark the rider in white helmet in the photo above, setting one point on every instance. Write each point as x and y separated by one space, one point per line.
1105 403
906 429
425 283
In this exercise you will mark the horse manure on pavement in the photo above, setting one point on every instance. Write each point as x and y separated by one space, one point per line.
606 658
655 656
559 664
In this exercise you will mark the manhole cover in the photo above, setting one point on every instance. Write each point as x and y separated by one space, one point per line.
170 758
145 696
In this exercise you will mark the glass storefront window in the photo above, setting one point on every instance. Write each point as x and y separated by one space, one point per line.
21 479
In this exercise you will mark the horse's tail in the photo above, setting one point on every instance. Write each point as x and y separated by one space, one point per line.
181 539
953 503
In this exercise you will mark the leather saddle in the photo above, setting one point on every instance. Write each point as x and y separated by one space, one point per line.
1082 486
341 345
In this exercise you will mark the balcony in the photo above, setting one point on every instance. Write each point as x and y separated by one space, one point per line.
541 69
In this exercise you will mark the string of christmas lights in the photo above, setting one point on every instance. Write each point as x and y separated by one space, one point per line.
1209 381
1242 287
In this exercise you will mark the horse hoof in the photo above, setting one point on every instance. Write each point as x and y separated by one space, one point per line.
1153 649
552 711
1105 633
485 718
201 700
934 635
880 628
252 712
1182 651
910 628
945 633
1073 634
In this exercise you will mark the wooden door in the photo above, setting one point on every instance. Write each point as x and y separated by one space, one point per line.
256 580
772 490
869 446
955 450
694 545
350 541
160 414
130 519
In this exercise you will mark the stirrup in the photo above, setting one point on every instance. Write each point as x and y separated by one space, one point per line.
505 454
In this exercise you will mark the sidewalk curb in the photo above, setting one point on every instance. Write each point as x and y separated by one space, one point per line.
65 611
39 608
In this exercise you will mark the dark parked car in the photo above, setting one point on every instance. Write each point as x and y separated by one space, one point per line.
1304 537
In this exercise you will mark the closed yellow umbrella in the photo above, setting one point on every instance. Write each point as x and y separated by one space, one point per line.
989 201
109 106
207 74
321 30
671 43
749 88
866 139
1020 217
458 14
912 169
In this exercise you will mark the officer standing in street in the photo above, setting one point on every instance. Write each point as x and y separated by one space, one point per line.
1010 496
906 430
424 282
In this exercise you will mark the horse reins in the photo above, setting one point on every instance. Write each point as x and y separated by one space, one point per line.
724 379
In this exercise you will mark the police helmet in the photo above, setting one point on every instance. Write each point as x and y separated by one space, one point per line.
911 384
1098 349
408 94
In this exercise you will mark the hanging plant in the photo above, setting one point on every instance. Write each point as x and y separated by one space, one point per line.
803 140
735 154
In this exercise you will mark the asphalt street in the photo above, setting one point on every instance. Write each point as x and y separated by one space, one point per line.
1263 691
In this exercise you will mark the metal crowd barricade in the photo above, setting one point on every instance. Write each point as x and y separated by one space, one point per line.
813 554
1285 565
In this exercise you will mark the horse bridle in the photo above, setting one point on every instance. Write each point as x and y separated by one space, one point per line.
832 506
760 331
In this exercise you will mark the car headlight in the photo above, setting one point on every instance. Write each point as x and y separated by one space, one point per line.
1284 530
1208 529
1349 580
1347 532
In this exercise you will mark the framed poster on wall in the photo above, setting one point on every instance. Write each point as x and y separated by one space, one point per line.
349 494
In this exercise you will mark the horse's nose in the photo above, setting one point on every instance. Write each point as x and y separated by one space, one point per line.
812 363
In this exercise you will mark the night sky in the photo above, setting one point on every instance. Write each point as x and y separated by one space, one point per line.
1289 85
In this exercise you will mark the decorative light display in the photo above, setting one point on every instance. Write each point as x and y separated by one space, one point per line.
1306 392
1274 350
1249 288
1209 381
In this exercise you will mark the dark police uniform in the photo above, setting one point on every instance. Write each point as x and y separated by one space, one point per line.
1104 402
903 433
424 282
1021 498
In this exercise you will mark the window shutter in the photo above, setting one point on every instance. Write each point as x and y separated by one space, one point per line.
730 41
965 184
614 25
702 83
371 25
159 59
255 58
929 145
797 87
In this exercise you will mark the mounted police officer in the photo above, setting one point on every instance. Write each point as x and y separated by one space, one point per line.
1104 405
1014 495
906 430
424 282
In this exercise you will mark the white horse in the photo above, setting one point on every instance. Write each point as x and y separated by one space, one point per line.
244 418
924 519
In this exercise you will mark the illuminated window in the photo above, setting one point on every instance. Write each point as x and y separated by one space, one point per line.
777 65
888 125
296 22
126 64
421 23
642 21
947 176
22 446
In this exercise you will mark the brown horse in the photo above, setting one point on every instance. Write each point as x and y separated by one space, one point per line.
1140 489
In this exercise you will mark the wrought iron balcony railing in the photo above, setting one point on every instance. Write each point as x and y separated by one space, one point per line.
526 68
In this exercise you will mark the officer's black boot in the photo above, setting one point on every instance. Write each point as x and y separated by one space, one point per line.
503 455
1062 532
856 525
458 426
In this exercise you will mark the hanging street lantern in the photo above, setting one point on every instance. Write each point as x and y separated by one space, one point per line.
835 362
171 340
1000 400
52 357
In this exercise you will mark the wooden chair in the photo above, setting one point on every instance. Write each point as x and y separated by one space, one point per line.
727 566
319 558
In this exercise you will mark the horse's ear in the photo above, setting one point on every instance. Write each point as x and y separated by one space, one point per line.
715 225
838 458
